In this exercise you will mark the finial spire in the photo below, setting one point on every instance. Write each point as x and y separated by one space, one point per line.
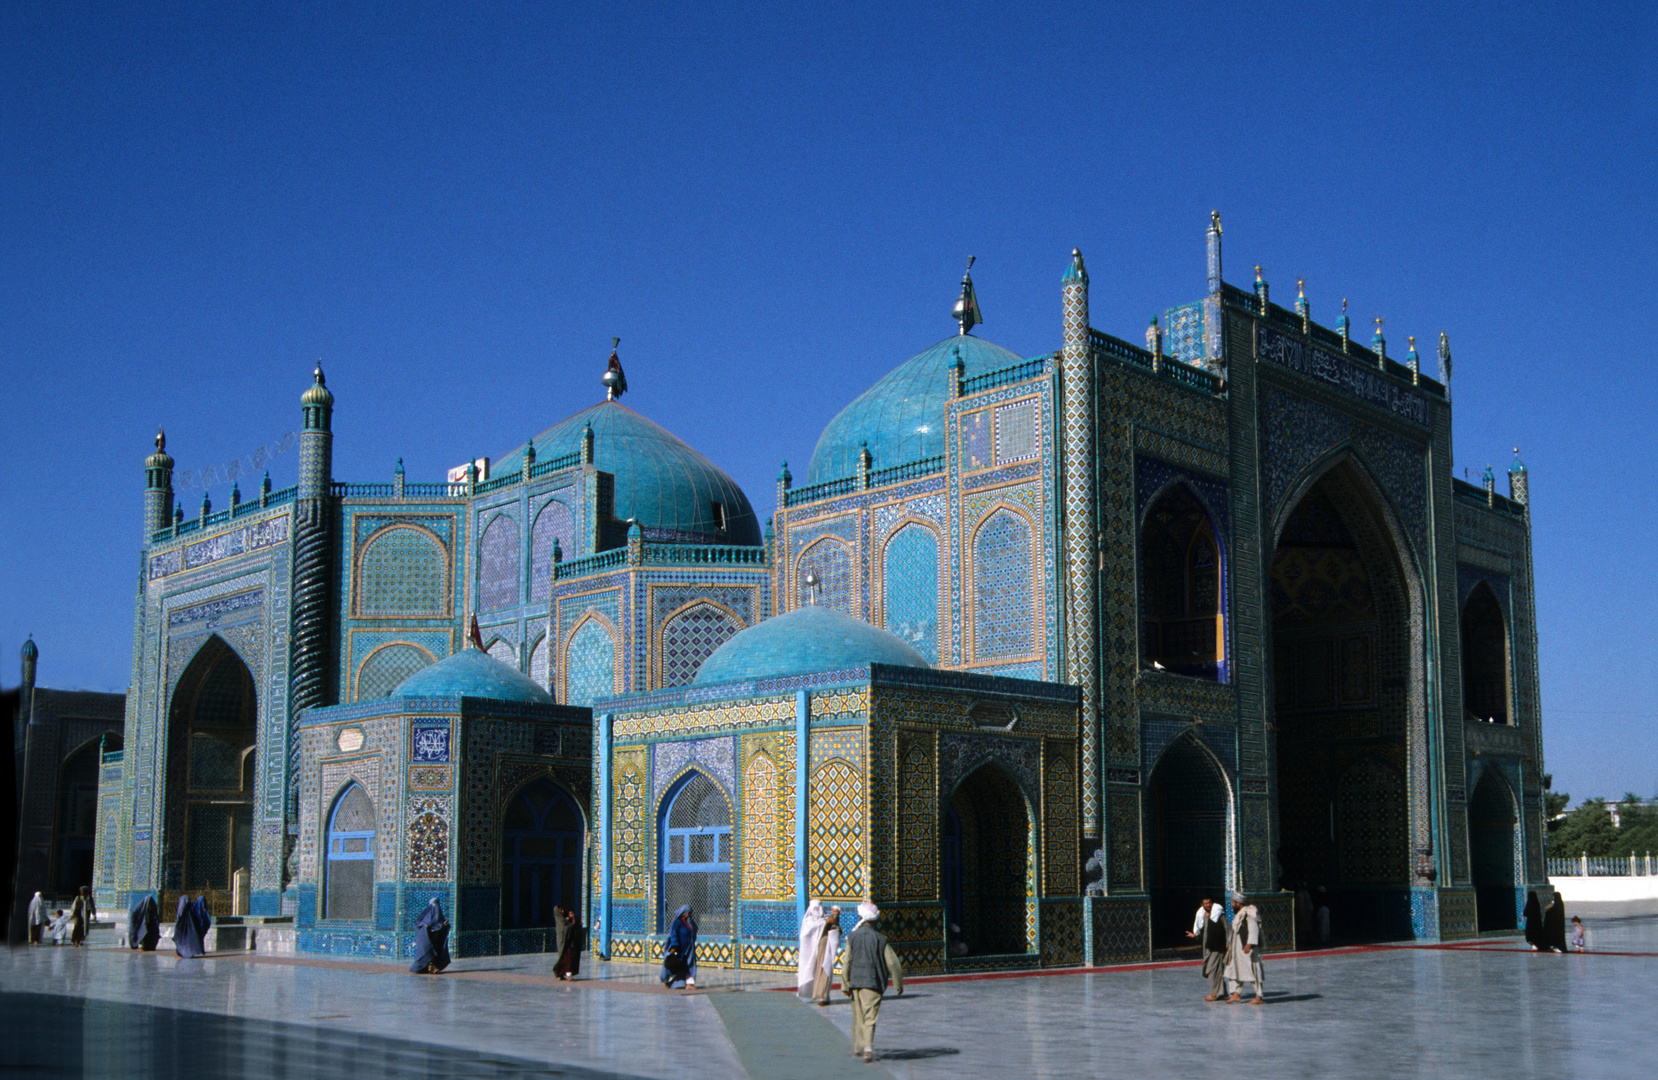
812 583
615 383
966 311
160 438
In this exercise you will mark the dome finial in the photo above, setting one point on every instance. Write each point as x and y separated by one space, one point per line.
615 383
160 438
317 374
966 310
812 583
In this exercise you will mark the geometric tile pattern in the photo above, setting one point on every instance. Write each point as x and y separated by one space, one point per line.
498 559
910 588
504 651
428 838
590 664
1016 431
402 573
975 440
759 828
538 663
553 524
1059 813
918 816
1078 434
836 842
831 561
386 668
689 637
629 825
716 756
1003 612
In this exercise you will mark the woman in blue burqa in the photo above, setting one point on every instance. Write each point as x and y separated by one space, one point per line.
190 928
144 924
431 944
679 961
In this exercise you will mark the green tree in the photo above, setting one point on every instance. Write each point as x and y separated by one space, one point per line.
1554 803
1588 830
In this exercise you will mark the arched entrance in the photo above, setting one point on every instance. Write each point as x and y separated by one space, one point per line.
1491 824
212 724
1484 657
1190 812
348 864
1343 663
1181 625
987 862
541 855
696 854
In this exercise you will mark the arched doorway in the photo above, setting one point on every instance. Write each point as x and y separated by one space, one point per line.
348 870
987 862
541 855
1484 657
696 854
1190 812
1491 823
1343 668
212 723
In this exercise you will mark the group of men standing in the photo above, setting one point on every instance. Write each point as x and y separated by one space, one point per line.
1231 950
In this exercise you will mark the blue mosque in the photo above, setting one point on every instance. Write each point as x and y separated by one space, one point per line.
1035 653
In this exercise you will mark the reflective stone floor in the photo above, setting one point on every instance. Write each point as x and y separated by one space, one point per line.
1488 1009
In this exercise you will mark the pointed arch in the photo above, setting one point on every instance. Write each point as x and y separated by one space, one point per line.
1494 855
1190 816
503 649
386 666
539 671
695 825
351 841
402 569
911 586
1486 658
1006 586
589 666
830 558
689 635
1182 585
989 859
543 831
212 721
554 523
498 564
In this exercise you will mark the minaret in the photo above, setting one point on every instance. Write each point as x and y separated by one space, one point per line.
1343 327
26 693
1214 252
1445 361
1261 290
1076 389
158 488
1301 307
1519 485
1413 361
1378 345
313 527
1213 345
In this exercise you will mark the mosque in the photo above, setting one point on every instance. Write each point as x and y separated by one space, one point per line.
1040 651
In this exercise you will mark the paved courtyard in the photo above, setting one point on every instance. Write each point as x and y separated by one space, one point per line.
1488 1009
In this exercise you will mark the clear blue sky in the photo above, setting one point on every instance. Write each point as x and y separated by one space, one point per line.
457 206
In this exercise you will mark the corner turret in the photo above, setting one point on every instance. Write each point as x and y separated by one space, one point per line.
316 438
1519 484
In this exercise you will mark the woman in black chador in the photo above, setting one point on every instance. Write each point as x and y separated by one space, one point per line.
569 944
144 924
431 941
1534 921
190 928
1554 925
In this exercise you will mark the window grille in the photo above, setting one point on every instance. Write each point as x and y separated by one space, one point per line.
696 855
349 888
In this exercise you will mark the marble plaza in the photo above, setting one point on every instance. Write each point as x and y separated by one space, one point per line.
1486 1008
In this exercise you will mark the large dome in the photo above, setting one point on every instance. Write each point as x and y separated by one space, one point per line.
901 418
470 673
801 642
669 487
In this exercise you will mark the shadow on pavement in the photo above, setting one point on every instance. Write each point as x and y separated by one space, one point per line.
916 1055
48 1035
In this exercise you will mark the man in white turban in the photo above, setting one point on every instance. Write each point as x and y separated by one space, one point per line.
1244 964
820 939
869 963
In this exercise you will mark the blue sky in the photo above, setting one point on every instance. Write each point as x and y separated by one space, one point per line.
457 206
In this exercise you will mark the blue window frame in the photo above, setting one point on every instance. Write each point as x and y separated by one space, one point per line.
348 886
696 853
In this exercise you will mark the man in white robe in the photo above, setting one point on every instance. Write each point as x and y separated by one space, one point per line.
820 939
38 919
1244 963
1210 930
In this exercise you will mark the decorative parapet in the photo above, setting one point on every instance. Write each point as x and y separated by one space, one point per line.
592 564
703 555
238 510
1013 373
1475 495
1165 367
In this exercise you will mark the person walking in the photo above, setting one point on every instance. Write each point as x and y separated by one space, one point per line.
870 961
1210 930
1577 935
569 953
431 940
1533 916
38 920
144 924
679 959
1244 963
819 942
1554 924
190 928
79 917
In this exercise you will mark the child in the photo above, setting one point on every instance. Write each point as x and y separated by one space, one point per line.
1577 934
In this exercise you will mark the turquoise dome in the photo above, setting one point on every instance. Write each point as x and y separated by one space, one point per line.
470 673
803 641
669 487
901 418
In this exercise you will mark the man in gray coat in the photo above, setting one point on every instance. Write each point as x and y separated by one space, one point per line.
868 964
1244 963
1210 930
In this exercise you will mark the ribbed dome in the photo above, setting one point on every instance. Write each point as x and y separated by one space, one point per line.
318 394
901 418
803 641
470 673
660 480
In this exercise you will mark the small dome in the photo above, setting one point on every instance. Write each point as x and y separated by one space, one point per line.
901 418
672 491
319 393
30 650
470 673
803 641
161 459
